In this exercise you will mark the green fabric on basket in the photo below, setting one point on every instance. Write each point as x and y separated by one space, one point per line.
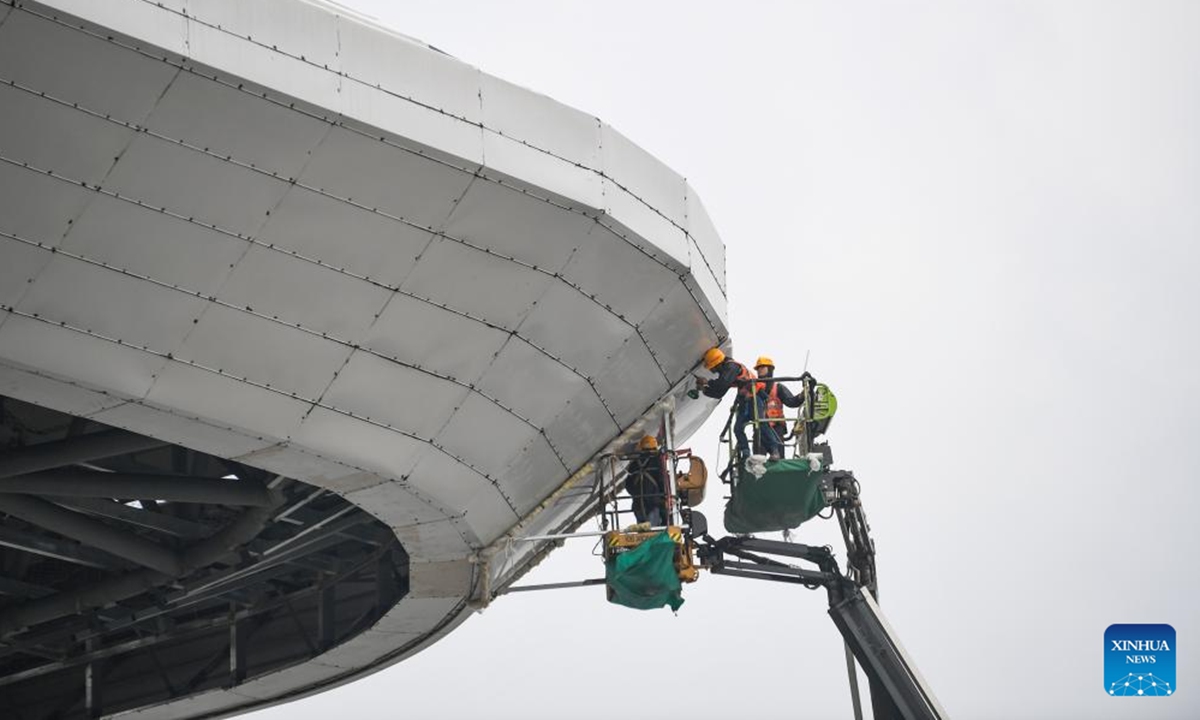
786 495
644 578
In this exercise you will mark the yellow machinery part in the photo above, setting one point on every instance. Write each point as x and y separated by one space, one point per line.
616 541
694 481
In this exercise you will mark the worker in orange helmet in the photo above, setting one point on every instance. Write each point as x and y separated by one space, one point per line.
644 483
730 372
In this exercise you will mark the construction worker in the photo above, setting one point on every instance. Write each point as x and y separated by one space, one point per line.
774 397
644 483
730 372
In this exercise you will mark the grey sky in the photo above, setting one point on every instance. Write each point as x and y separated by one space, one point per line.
982 221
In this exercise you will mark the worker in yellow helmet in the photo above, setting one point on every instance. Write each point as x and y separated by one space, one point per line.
774 396
730 372
644 483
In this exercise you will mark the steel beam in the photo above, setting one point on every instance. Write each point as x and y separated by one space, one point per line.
159 521
174 488
205 553
555 586
237 649
386 590
326 617
13 647
329 535
63 604
91 532
308 517
82 448
93 683
17 588
97 654
57 549
250 619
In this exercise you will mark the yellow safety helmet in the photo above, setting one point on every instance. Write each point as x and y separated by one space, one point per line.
764 360
648 443
713 358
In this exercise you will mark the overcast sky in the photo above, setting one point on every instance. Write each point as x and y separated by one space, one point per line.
982 221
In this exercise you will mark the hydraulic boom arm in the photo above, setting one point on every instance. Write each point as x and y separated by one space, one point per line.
897 689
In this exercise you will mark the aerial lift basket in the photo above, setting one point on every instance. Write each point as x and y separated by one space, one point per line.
788 493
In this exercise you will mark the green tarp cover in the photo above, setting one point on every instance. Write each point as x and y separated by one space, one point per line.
786 495
644 577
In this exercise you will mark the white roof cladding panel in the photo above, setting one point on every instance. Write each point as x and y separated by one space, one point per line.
231 123
64 353
559 312
619 274
582 419
104 76
154 244
111 304
407 69
37 207
527 168
31 386
677 333
484 435
22 263
484 286
138 20
144 418
237 404
373 446
296 28
454 485
630 375
525 228
533 384
705 287
426 336
702 232
194 185
369 245
559 130
534 469
283 73
374 175
633 220
54 136
407 399
299 292
432 132
643 176
220 338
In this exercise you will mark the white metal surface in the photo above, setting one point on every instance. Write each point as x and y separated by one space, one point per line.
376 269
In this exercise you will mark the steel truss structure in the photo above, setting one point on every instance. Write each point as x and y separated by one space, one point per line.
134 572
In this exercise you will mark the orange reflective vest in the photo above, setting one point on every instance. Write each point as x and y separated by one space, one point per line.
774 406
745 373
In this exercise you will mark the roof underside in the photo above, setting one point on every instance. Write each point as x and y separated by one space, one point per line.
276 234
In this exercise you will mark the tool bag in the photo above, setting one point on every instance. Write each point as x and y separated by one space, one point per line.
645 577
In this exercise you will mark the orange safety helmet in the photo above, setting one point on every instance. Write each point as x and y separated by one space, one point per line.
649 442
713 358
764 360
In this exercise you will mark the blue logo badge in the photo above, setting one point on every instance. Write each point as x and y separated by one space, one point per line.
1139 660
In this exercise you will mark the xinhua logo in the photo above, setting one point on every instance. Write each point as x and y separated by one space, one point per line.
1139 660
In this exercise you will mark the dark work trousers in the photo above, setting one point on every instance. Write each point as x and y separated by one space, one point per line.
765 439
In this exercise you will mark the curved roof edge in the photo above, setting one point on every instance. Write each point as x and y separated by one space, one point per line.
336 59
